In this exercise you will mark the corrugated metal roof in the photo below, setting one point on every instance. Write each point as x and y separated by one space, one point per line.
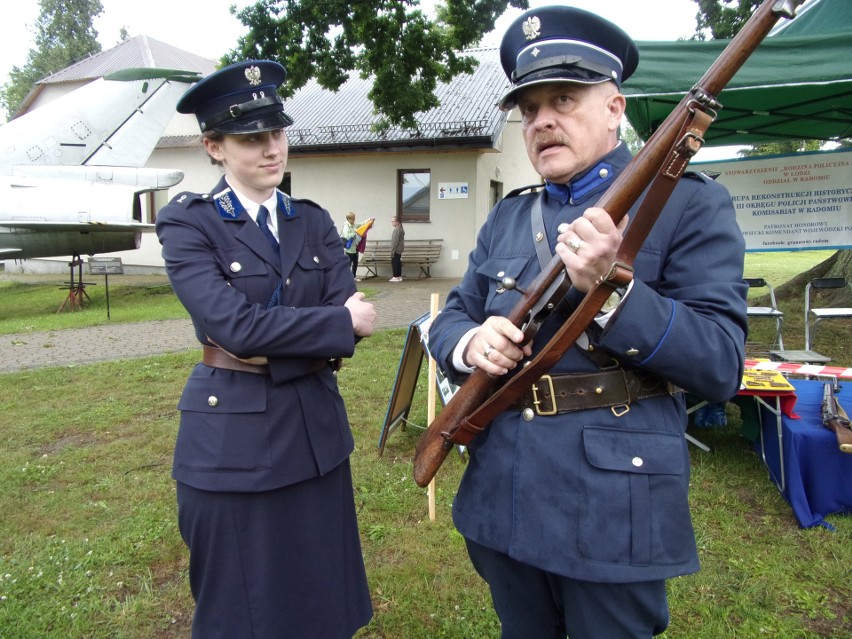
138 51
341 121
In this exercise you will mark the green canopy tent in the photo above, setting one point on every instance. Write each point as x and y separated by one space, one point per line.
796 85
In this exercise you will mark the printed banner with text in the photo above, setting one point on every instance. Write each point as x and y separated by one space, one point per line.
790 202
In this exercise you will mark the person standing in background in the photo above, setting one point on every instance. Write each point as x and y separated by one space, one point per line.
351 238
397 247
264 488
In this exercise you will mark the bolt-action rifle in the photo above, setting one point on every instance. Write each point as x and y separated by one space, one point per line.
834 418
660 164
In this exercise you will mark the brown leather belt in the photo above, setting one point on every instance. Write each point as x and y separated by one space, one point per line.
616 389
217 358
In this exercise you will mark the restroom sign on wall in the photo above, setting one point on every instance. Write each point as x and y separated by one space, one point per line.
452 190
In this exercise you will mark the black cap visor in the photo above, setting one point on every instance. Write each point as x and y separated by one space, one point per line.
573 74
254 116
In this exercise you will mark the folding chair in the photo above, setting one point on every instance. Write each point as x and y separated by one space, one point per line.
814 316
767 312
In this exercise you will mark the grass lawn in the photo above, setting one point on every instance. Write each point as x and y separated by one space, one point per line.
89 546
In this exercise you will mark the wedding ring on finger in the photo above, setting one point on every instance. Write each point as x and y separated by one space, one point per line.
487 352
573 245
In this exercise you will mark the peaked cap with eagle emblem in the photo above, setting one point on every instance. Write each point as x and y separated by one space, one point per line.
239 99
564 44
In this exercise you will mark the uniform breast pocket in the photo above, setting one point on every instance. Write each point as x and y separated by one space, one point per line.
634 508
501 300
240 264
224 424
313 261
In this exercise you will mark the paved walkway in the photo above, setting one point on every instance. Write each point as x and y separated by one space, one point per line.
397 305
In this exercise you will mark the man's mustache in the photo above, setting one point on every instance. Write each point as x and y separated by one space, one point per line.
545 140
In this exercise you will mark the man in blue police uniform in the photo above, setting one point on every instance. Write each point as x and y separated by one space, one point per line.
265 499
576 516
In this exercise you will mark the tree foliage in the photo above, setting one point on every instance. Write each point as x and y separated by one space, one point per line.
780 147
721 19
395 42
63 35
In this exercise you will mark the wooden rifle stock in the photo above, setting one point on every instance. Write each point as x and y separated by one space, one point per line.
835 420
840 427
477 396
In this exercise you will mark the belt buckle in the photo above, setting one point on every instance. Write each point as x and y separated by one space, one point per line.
537 401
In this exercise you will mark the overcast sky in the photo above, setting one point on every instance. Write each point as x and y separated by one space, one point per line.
207 29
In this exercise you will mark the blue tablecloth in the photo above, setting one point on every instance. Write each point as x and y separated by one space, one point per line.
817 477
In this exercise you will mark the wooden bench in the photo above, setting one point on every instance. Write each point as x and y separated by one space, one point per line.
422 253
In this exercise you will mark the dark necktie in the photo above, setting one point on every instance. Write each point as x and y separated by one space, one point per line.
262 217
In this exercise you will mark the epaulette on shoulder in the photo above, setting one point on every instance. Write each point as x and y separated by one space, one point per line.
185 198
517 192
702 175
306 201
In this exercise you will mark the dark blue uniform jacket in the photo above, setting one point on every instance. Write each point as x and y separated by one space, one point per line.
589 494
241 431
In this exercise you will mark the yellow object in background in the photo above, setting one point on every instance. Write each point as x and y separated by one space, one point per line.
756 380
366 226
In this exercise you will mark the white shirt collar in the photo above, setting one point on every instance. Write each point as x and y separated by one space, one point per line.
253 207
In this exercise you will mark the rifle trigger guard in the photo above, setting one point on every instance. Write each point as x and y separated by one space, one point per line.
551 298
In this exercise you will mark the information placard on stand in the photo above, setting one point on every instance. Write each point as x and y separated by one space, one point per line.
415 349
106 266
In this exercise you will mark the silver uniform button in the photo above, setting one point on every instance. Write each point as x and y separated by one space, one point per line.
501 274
316 260
603 173
213 401
528 414
632 351
236 267
638 462
287 283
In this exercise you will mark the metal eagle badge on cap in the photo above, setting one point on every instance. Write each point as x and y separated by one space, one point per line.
532 28
253 76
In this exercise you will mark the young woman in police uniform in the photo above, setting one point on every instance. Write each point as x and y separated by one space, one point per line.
264 491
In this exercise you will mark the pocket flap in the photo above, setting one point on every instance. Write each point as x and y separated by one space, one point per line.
316 257
647 452
241 262
221 395
499 267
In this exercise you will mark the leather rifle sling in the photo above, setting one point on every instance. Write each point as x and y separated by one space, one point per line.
687 144
539 232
